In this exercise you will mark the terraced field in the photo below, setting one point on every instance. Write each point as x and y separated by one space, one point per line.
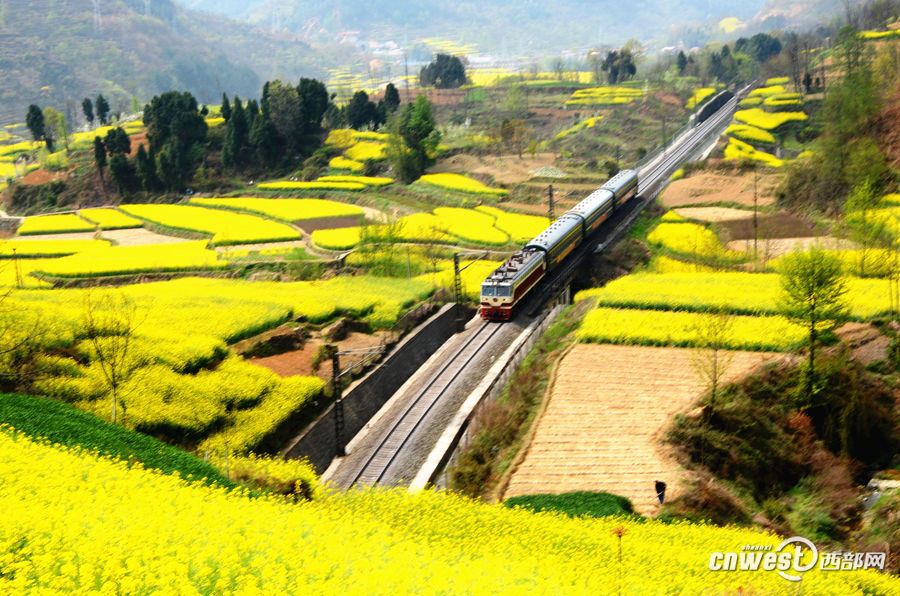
606 436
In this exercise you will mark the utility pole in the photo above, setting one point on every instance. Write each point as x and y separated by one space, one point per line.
755 220
457 285
406 70
550 210
19 283
339 445
457 291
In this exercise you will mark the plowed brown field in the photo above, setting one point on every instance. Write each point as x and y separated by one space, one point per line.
602 429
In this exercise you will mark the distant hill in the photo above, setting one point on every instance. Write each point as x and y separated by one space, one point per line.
516 26
54 52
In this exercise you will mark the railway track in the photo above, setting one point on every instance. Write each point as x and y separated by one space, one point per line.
375 466
382 459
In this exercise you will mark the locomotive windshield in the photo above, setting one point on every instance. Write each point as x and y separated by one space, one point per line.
503 291
487 290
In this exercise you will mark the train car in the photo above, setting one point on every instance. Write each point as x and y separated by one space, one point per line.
594 210
510 282
623 185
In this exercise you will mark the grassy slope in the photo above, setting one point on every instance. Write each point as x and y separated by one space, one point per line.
64 424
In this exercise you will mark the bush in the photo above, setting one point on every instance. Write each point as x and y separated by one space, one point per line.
64 424
575 504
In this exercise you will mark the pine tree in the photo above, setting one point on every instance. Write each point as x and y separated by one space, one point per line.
87 106
102 108
99 155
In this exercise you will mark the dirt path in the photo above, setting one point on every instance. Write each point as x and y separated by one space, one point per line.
602 429
507 169
713 187
139 237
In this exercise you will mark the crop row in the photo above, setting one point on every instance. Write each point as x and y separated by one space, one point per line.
315 185
55 224
461 183
292 210
699 96
660 328
109 219
224 227
768 120
690 239
126 260
750 134
741 293
76 522
738 149
599 96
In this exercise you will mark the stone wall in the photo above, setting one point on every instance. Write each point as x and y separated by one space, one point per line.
365 397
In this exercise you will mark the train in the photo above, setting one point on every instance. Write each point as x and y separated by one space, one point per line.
510 282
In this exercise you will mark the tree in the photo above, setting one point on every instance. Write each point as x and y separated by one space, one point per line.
34 120
391 98
413 140
87 106
236 135
54 127
146 170
282 103
361 112
122 172
102 108
174 130
681 62
117 142
619 65
265 141
813 290
444 72
710 358
225 110
313 103
108 324
515 104
100 155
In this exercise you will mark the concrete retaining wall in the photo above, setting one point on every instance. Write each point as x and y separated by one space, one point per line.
364 398
9 225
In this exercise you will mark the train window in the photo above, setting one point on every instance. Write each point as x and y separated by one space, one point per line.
487 290
503 291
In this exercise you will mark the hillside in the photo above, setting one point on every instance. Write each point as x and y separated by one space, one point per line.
512 27
55 53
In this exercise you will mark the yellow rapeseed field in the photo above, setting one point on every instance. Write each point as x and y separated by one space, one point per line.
224 227
662 328
300 185
125 260
54 224
76 522
690 239
738 149
48 248
293 210
461 183
699 96
744 293
363 150
109 219
342 163
521 228
750 134
336 239
604 96
768 120
377 181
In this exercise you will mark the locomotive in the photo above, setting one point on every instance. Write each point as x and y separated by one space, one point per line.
512 280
